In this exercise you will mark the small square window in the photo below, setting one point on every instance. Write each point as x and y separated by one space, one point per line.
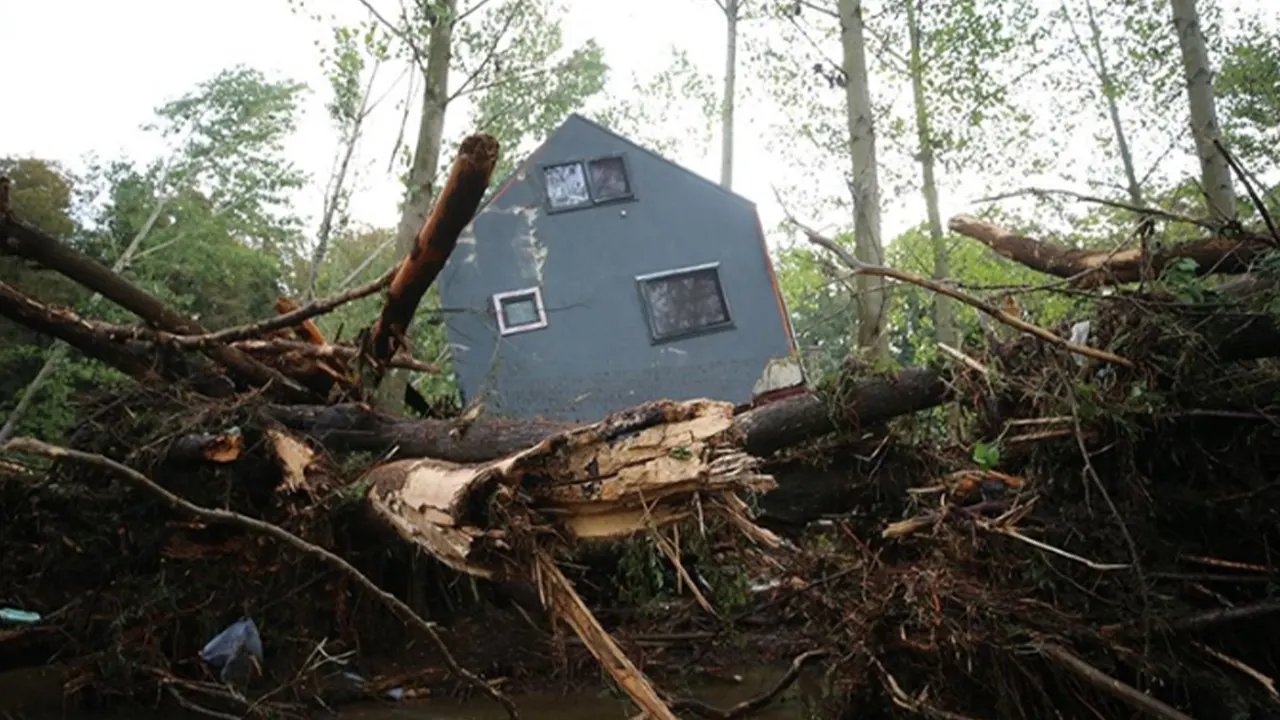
566 185
608 179
684 302
519 311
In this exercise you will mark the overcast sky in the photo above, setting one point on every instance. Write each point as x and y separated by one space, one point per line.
82 76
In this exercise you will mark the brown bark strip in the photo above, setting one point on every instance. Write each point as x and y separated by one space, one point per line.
76 332
1094 268
25 241
468 181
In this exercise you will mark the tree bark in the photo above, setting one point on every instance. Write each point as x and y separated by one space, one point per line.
1093 268
943 312
872 298
1215 174
426 159
456 206
731 12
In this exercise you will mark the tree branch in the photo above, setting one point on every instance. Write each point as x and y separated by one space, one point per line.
76 332
859 267
28 242
1091 268
750 705
396 30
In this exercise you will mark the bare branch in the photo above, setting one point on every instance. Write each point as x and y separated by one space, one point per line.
399 32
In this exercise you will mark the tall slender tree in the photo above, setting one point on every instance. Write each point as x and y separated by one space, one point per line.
864 184
1215 173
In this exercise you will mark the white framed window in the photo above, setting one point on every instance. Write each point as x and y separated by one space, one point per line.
566 185
519 310
686 301
584 183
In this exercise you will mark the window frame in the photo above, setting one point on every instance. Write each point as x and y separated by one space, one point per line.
654 337
540 323
593 199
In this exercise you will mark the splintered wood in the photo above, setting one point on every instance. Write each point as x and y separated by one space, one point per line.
633 472
628 473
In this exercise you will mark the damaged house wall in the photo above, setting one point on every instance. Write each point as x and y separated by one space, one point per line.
576 260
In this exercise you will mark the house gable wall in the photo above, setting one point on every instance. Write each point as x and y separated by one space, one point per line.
596 353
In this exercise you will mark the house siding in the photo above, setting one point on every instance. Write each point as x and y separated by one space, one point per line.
596 354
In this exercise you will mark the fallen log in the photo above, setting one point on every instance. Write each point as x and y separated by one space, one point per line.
1094 268
467 183
766 429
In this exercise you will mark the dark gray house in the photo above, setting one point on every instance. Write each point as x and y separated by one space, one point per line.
600 275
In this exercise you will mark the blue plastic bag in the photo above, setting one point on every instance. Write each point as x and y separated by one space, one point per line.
234 650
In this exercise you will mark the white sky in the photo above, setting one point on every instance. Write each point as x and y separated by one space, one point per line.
82 76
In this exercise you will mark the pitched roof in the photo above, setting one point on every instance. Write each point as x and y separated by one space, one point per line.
523 165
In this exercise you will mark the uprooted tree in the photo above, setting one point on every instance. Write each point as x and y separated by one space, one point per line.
983 557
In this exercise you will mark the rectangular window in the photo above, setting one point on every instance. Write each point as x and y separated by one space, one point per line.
579 184
608 179
684 302
519 311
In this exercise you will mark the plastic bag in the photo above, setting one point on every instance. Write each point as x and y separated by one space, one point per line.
238 640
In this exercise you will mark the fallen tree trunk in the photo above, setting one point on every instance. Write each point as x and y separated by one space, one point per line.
768 428
1094 268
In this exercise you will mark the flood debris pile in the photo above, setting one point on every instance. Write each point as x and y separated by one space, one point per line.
241 533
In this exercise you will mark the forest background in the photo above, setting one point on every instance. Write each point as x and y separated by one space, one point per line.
221 156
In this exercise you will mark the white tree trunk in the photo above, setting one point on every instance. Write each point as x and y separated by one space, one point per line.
426 163
1215 174
731 9
943 313
872 299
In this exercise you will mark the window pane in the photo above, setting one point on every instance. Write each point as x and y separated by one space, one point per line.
609 178
566 185
519 311
685 302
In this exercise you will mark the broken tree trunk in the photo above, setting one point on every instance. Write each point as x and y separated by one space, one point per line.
633 472
1094 268
468 181
766 429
